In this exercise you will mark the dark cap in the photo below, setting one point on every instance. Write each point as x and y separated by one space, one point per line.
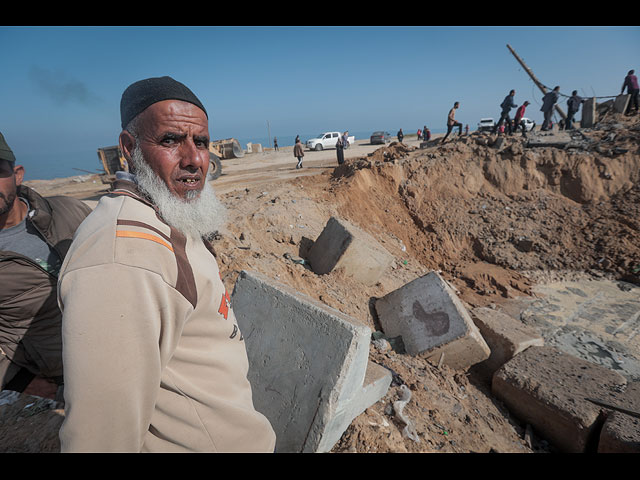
144 93
5 152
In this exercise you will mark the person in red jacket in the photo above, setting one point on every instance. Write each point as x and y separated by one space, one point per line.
517 121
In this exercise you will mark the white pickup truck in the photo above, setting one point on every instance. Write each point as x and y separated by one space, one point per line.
326 140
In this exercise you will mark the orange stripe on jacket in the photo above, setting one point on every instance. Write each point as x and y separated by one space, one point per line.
146 236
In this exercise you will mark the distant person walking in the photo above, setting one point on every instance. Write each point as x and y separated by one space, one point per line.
518 119
340 149
298 152
419 134
573 105
548 102
631 83
426 134
400 135
507 104
451 121
345 139
275 144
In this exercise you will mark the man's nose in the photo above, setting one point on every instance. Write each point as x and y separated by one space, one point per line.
191 156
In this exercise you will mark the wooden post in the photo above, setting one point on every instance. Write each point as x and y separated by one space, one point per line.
535 80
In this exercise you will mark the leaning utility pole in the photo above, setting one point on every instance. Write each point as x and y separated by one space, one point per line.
535 80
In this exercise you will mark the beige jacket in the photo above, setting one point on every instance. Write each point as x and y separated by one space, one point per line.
153 357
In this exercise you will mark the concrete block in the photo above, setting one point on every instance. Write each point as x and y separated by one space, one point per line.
308 363
505 336
621 432
589 113
620 103
343 245
546 388
432 321
556 138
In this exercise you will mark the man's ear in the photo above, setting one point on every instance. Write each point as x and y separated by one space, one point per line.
18 172
127 144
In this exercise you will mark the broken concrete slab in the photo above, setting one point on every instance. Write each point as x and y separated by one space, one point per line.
596 320
29 424
557 139
620 103
589 113
432 322
343 245
505 335
621 431
308 363
546 388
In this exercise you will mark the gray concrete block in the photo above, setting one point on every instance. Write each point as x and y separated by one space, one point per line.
505 336
620 103
589 113
432 322
547 389
621 432
308 363
343 245
375 386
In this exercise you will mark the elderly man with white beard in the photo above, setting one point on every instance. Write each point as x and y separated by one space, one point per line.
153 357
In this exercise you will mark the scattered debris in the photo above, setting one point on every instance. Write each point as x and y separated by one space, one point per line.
409 430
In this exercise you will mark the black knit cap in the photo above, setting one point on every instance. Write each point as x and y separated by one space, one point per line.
144 93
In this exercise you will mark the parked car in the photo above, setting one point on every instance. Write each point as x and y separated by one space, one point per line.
380 137
528 124
486 124
326 140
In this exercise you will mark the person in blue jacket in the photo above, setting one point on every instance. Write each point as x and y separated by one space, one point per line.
506 105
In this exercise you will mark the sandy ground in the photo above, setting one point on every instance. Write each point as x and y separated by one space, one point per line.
501 225
252 170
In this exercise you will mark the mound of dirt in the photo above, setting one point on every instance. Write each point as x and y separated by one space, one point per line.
491 216
484 216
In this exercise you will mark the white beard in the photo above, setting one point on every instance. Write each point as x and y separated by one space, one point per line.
200 215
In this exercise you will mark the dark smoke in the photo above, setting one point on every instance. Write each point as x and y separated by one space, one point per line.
61 89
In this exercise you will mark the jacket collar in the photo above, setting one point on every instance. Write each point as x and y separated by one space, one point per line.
127 185
39 209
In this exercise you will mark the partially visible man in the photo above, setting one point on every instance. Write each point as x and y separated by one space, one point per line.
631 84
154 360
451 121
548 103
298 152
35 234
573 105
507 104
518 119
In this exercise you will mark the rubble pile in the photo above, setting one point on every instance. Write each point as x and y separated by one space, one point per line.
484 218
495 213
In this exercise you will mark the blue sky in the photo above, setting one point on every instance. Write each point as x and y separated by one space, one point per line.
61 86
